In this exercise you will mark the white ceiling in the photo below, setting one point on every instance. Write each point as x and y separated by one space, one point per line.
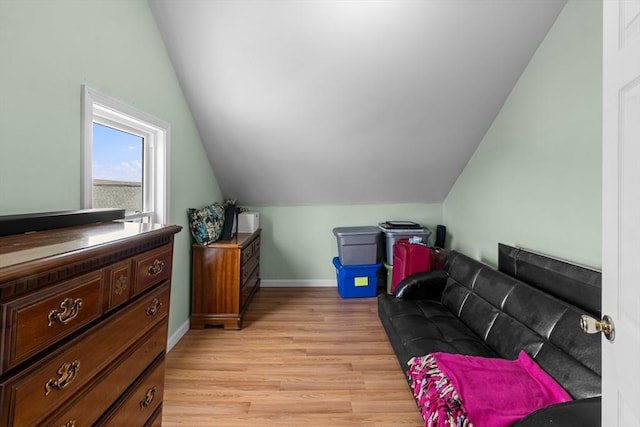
310 102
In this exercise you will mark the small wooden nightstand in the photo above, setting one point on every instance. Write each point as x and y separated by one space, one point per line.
226 275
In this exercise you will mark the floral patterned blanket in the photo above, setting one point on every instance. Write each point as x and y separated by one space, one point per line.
463 391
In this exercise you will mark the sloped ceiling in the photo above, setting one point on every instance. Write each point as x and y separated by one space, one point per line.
315 102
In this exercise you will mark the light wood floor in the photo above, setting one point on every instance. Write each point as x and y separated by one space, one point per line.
305 358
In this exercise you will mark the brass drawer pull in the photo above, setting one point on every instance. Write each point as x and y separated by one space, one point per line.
148 397
121 285
153 308
70 310
67 373
156 268
71 423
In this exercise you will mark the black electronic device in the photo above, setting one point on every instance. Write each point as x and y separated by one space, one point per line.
441 234
23 223
230 226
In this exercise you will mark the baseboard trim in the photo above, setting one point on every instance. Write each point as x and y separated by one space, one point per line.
298 283
177 335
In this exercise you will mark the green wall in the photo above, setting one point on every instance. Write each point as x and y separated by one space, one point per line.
48 50
298 241
535 179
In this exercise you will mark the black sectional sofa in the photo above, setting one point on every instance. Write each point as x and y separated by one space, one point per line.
531 303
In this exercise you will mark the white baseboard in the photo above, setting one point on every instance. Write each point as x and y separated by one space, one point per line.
177 335
298 283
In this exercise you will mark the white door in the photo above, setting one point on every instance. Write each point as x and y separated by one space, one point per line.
621 211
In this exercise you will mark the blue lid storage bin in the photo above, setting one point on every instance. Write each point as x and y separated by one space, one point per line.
357 281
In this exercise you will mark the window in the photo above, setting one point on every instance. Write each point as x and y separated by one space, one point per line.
125 158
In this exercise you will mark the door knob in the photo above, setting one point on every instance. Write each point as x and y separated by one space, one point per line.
589 325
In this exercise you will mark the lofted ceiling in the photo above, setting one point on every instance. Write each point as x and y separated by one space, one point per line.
320 102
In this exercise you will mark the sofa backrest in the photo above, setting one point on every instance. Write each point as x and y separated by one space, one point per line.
510 315
575 284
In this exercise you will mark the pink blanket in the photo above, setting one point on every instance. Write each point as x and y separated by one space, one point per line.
458 390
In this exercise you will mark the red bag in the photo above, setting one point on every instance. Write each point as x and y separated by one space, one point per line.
409 258
439 257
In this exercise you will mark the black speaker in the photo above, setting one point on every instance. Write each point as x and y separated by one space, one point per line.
441 234
22 223
230 222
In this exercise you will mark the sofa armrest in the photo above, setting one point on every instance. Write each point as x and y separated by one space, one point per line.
581 412
424 285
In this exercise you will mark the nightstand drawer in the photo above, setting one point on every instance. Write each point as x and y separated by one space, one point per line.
252 249
256 245
249 284
248 269
38 320
246 253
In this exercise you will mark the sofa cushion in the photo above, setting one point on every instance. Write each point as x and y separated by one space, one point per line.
418 327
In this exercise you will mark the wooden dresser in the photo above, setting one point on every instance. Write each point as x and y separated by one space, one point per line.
84 325
226 275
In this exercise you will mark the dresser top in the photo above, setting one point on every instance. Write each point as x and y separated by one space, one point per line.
28 247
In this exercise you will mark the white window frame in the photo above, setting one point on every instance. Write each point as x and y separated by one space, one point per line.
103 109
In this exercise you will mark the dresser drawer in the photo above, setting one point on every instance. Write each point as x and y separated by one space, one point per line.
38 320
139 405
107 389
152 267
59 376
156 419
119 280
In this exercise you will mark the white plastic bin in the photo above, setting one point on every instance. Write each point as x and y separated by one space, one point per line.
391 236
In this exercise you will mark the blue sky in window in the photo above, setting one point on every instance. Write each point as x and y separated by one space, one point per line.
116 155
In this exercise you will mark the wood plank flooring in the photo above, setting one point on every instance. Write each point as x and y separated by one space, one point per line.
305 357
